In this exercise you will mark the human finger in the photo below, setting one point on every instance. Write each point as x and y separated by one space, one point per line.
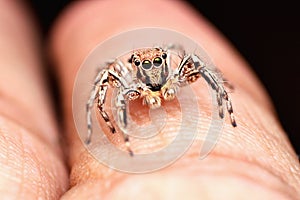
258 144
31 161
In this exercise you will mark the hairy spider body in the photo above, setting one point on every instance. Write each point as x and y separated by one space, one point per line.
148 75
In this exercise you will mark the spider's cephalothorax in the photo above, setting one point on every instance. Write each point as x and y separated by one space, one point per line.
151 67
149 76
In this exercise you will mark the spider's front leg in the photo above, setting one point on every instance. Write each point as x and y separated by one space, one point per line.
191 68
103 79
121 104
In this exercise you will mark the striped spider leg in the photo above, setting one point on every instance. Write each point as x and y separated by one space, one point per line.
191 68
111 76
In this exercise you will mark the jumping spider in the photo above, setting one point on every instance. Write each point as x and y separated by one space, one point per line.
149 76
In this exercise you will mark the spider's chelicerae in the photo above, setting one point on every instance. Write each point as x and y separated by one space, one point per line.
149 75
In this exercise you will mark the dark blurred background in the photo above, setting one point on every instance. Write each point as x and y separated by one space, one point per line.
265 32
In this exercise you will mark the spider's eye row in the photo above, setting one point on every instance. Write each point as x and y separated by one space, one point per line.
157 61
137 62
147 64
164 56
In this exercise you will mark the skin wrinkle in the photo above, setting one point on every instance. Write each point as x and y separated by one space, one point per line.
281 157
27 157
243 174
49 175
22 169
253 177
44 181
6 160
263 147
10 160
99 174
8 109
267 137
150 190
116 181
77 173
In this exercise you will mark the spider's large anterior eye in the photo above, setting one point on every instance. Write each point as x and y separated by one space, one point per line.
157 61
137 62
146 64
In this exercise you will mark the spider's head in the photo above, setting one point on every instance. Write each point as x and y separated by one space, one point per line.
151 67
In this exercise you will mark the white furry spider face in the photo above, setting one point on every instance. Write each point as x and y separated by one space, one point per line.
151 67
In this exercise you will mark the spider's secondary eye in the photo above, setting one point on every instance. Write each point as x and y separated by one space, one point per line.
164 56
137 62
130 59
157 61
146 64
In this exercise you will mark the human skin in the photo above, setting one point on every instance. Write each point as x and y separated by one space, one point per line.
31 161
253 161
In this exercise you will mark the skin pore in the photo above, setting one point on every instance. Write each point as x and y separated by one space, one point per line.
253 161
